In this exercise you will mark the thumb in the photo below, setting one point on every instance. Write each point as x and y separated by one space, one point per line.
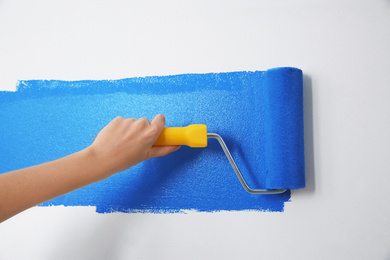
158 122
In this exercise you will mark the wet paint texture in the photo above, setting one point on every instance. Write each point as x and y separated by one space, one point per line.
259 115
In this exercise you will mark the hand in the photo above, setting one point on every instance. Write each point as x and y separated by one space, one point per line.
124 143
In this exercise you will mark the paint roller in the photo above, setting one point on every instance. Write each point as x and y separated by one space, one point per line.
284 142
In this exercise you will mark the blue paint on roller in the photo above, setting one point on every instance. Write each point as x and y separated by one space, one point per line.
284 147
259 115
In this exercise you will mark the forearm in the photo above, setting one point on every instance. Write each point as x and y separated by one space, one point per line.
22 189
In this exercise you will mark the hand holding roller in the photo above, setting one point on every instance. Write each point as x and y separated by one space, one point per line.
196 136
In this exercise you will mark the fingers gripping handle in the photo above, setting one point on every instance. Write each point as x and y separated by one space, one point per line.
192 136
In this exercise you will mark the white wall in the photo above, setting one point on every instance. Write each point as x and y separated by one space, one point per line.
343 48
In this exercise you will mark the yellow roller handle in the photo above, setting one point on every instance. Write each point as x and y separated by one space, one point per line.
192 135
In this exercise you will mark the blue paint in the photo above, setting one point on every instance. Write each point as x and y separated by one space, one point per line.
259 114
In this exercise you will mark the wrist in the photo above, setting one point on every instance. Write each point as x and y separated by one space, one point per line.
99 169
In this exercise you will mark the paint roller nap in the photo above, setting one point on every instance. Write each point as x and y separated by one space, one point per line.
284 142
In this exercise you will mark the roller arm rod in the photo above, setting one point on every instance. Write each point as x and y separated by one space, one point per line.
237 171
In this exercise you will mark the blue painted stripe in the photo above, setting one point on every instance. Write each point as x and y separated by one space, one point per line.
48 119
